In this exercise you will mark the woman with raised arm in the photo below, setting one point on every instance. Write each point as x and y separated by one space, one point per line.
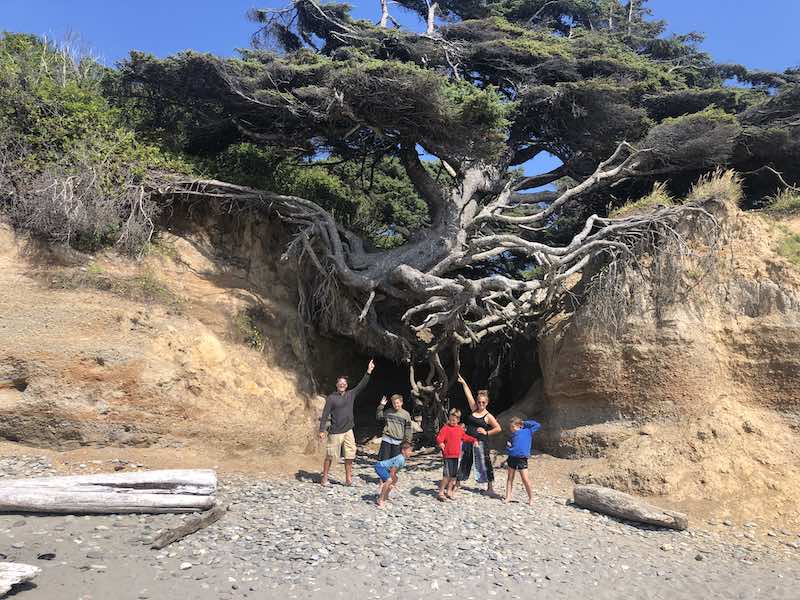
480 424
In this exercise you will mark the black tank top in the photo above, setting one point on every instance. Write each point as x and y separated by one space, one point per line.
473 422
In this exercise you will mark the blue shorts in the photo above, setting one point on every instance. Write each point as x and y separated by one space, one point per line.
382 472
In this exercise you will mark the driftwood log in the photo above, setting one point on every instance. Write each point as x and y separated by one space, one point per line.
195 523
12 574
624 506
167 491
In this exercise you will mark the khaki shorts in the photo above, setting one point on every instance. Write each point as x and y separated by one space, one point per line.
338 440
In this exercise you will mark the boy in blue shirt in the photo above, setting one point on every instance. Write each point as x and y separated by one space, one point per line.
519 450
387 471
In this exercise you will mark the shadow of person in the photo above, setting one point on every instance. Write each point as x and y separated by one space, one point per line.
368 479
307 477
423 491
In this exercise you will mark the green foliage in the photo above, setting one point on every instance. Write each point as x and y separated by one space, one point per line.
601 56
377 200
53 107
66 156
587 117
532 272
687 101
247 329
698 141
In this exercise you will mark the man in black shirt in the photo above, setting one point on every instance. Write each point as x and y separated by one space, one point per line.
339 407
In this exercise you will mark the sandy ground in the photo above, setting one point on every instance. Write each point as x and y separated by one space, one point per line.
287 537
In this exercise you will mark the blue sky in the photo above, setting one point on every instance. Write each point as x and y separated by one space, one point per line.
760 37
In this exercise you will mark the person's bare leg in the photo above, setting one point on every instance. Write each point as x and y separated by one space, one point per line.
348 472
326 466
451 489
443 484
392 484
383 494
490 490
509 483
527 483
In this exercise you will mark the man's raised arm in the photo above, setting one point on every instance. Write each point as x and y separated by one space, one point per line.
364 380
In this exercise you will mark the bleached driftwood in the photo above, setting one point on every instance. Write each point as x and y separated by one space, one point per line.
195 523
167 491
12 574
624 506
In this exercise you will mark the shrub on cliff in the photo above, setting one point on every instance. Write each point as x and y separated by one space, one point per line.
68 170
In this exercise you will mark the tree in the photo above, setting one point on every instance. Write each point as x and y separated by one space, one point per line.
451 115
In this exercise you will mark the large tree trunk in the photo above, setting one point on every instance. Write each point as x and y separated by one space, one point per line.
442 290
168 491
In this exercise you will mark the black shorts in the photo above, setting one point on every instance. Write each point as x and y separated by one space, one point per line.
518 463
450 467
388 450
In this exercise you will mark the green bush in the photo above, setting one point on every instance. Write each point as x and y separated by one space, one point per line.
69 171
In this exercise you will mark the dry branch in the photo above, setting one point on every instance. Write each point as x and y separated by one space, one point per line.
193 524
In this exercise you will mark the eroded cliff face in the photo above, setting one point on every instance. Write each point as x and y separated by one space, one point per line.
197 342
696 395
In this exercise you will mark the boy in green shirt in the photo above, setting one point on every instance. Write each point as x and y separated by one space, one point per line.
397 428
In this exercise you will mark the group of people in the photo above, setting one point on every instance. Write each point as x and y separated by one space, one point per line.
464 444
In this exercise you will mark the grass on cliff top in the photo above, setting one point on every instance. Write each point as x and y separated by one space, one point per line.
786 201
718 185
144 287
659 196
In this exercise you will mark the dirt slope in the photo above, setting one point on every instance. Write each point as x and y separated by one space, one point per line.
98 350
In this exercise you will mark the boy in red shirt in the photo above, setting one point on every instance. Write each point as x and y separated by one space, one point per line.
449 441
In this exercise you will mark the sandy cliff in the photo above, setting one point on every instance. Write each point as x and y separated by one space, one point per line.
195 342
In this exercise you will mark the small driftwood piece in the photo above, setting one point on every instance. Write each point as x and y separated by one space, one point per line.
624 506
193 524
12 574
166 491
